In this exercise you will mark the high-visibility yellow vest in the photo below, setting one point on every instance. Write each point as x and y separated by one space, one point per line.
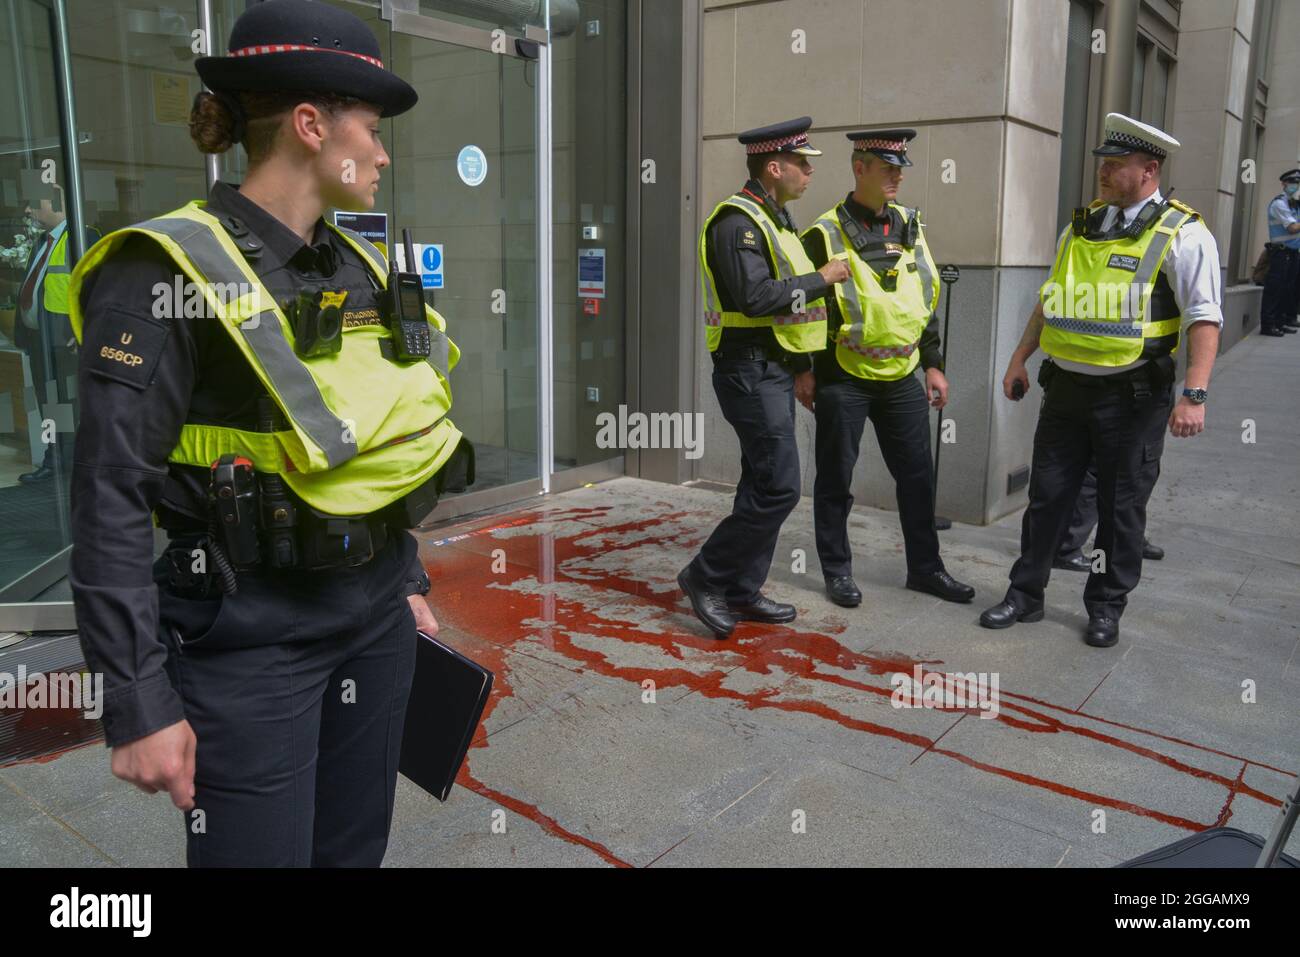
363 430
803 331
880 337
1098 306
58 274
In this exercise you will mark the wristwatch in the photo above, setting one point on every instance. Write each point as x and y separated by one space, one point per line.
419 586
1198 396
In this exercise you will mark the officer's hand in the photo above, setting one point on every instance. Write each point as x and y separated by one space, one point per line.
1016 372
163 761
424 620
837 270
1188 419
936 381
805 389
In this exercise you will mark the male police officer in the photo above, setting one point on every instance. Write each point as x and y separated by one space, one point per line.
1278 310
1132 271
42 328
885 327
763 315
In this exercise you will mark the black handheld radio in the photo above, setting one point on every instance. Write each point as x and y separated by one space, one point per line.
406 319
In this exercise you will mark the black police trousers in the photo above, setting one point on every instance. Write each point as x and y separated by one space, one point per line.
296 688
1120 420
1280 288
1083 520
757 398
900 413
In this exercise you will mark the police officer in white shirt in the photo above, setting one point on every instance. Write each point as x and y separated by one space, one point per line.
1282 284
1135 274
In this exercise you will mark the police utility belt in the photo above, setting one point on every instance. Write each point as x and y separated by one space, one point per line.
256 520
257 523
1146 380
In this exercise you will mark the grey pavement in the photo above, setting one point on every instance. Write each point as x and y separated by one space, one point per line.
620 733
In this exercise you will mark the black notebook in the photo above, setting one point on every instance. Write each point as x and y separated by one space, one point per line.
447 700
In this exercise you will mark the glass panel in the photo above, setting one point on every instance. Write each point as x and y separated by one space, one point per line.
1160 92
590 170
37 363
476 106
1139 76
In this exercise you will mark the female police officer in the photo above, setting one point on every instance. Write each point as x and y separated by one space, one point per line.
243 378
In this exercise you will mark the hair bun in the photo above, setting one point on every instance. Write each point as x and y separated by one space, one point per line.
212 124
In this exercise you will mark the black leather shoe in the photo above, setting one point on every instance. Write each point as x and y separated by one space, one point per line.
1152 553
1288 331
1007 613
1275 333
1079 563
1101 632
1291 324
763 609
844 591
942 584
710 607
39 475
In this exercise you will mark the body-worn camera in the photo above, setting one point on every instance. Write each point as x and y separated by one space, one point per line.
317 323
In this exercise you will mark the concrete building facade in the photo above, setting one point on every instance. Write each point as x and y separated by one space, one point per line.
1008 98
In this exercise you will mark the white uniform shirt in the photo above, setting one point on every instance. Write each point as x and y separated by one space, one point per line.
1192 268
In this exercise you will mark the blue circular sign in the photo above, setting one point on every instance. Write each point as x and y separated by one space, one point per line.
432 259
472 166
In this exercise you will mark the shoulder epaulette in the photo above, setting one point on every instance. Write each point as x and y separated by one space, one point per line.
1183 207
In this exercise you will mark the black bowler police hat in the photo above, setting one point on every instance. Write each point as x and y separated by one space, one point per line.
304 46
889 145
788 137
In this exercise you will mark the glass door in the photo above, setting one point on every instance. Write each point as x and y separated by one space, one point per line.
464 180
39 217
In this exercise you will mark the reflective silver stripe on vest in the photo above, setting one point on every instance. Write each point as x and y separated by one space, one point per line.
923 265
1146 271
1145 275
881 352
289 377
814 314
1094 327
439 344
759 215
850 288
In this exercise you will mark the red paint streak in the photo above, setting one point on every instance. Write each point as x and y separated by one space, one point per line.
472 599
1182 742
1068 791
1226 811
1052 725
547 823
42 734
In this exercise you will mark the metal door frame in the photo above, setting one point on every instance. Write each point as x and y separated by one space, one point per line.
404 17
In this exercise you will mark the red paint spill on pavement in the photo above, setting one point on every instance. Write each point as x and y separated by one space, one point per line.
495 604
